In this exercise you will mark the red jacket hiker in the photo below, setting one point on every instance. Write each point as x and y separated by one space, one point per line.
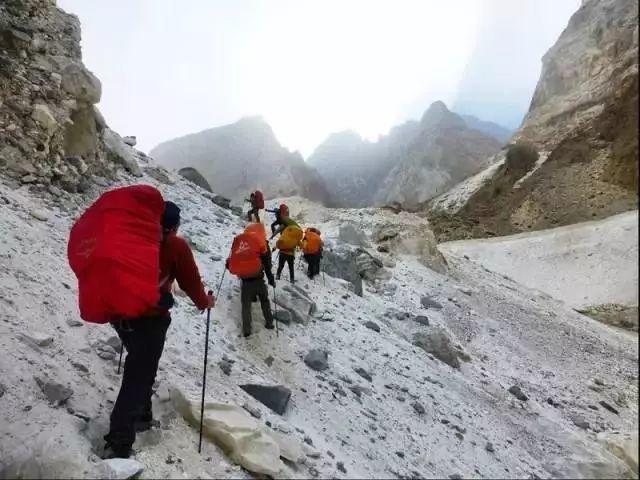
177 263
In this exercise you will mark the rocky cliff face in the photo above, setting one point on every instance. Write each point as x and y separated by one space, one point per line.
51 133
414 162
238 158
583 122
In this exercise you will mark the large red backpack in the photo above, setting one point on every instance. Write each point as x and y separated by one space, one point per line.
283 210
245 261
259 199
114 251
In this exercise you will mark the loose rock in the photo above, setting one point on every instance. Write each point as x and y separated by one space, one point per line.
38 338
120 468
606 406
317 360
438 344
489 447
363 373
372 326
422 320
518 393
55 392
418 408
428 302
74 322
276 397
41 215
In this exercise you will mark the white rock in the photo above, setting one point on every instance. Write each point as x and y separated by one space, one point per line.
38 338
43 116
81 83
130 140
120 468
120 152
41 215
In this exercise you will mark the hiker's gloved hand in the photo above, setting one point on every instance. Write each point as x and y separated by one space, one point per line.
226 264
212 301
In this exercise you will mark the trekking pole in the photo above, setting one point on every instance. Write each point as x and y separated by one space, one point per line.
206 355
120 361
275 308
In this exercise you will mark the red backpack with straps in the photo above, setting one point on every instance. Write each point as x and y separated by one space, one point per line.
114 251
284 210
259 198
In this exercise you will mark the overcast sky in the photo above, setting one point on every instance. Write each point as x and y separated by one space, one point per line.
310 68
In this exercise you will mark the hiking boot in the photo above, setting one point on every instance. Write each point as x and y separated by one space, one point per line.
116 451
269 325
144 425
246 334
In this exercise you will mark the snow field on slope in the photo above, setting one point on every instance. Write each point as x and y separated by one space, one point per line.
513 335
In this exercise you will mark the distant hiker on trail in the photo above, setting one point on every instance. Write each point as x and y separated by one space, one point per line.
281 212
256 199
290 239
144 338
250 260
312 249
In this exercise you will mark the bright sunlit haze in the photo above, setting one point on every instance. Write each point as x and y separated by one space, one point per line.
169 67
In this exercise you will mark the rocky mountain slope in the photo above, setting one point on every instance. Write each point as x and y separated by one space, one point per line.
583 123
51 133
500 133
426 374
238 158
413 163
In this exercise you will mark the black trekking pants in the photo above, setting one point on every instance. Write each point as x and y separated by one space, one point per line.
313 262
286 258
143 338
250 289
254 212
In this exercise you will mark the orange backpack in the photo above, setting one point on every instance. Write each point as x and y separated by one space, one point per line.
258 230
245 261
312 241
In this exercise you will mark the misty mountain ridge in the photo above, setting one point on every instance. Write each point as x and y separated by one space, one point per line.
241 157
412 163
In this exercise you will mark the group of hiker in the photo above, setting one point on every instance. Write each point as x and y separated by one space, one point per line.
139 311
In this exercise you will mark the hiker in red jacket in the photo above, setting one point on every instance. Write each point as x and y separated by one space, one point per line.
144 338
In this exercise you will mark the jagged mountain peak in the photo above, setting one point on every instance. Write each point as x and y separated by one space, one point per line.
438 115
242 156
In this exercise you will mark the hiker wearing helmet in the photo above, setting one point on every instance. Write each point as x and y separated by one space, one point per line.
144 338
312 248
250 260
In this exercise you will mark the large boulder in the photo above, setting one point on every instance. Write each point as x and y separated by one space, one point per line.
296 301
246 441
196 177
119 152
339 261
437 343
349 233
81 84
623 445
